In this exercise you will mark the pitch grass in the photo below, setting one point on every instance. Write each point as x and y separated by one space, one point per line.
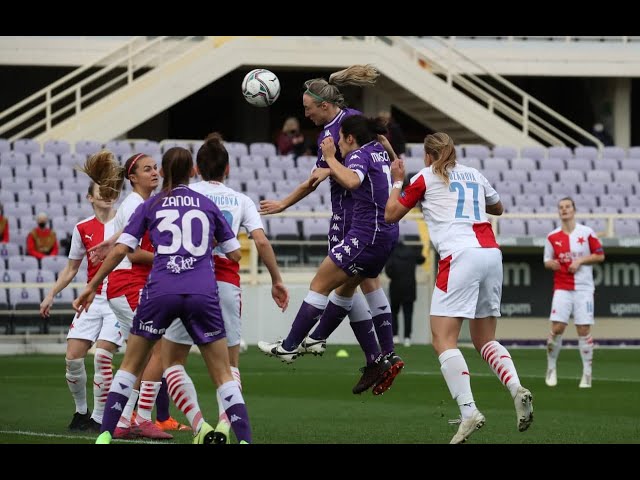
311 400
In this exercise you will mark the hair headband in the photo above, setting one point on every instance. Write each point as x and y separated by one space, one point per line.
133 162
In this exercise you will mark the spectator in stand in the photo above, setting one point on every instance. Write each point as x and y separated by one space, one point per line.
42 240
4 226
394 133
291 140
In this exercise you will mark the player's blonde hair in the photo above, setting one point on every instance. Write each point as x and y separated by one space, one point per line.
104 170
440 146
322 90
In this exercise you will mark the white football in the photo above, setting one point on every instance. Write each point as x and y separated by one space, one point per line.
261 87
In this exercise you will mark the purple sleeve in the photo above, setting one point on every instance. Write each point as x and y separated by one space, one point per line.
357 161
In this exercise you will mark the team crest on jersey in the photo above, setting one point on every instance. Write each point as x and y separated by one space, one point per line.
178 264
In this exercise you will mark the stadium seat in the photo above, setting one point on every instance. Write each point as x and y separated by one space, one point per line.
27 146
496 163
473 162
613 152
553 163
512 227
5 145
57 147
593 188
559 152
626 227
85 148
22 263
13 159
536 153
540 227
43 159
588 152
582 164
54 263
606 163
39 276
263 149
76 159
523 163
547 176
148 147
236 149
521 176
56 173
506 151
479 151
8 250
120 147
537 188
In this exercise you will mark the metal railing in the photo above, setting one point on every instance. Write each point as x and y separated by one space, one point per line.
502 98
74 92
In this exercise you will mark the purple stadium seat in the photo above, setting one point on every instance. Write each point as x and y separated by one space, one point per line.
563 188
579 163
593 188
537 188
263 149
540 227
619 188
32 197
51 209
626 227
606 163
414 165
314 226
274 174
54 263
58 172
5 172
601 176
243 174
13 159
512 226
634 152
597 224
43 159
24 298
630 164
617 201
255 162
512 188
584 202
560 152
281 161
529 200
505 151
73 160
507 199
536 153
480 151
5 145
18 210
496 163
148 147
554 164
47 184
626 176
547 176
521 176
120 147
57 147
22 263
10 276
574 176
7 197
523 163
613 152
633 200
492 175
588 152
63 197
409 229
237 149
8 250
473 162
16 185
86 148
39 276
27 145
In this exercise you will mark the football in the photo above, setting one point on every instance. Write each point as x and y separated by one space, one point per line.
261 87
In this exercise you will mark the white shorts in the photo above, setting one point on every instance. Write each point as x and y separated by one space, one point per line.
469 284
578 302
99 323
121 306
231 306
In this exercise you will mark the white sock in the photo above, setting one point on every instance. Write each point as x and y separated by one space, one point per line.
554 345
146 401
183 393
125 418
456 373
585 344
77 382
103 368
499 359
222 414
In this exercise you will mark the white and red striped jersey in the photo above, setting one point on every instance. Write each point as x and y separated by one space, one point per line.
455 213
87 234
239 211
128 277
566 248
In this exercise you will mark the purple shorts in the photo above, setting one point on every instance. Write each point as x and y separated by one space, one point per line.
356 258
200 314
339 225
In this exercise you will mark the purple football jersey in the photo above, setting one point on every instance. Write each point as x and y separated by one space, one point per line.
182 226
371 163
341 200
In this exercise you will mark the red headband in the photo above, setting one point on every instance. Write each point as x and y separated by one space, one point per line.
133 162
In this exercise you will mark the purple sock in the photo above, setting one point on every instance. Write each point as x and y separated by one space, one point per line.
162 402
306 318
239 418
330 320
113 411
365 334
384 331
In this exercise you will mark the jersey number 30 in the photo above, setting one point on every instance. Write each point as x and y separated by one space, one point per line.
181 235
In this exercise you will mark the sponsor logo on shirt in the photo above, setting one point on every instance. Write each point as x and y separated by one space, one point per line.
148 327
178 264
